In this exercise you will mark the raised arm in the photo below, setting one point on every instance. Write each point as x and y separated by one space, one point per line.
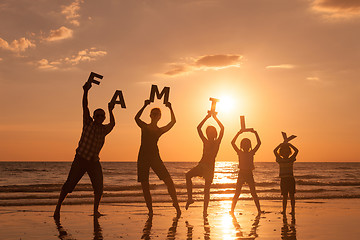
138 121
111 125
172 121
221 134
276 151
296 151
257 140
233 142
86 113
201 134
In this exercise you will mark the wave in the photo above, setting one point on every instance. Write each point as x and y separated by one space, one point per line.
114 200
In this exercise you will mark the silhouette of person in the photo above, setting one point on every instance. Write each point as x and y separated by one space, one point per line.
205 167
246 165
149 154
286 159
87 154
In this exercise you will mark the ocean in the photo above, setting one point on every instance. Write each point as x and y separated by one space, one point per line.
39 183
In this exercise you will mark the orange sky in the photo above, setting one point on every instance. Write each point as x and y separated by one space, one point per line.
288 66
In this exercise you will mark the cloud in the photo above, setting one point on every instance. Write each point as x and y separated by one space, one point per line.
281 66
71 12
59 34
207 62
16 46
337 8
44 64
85 55
313 79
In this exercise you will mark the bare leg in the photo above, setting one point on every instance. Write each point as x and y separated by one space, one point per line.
147 196
292 199
236 196
284 203
189 189
62 197
172 192
255 197
206 197
97 198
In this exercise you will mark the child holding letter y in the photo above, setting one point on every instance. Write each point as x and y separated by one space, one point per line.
206 166
246 166
286 162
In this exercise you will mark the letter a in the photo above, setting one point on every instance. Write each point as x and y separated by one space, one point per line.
91 78
155 91
121 100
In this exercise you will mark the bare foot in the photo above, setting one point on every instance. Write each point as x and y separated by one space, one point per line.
188 203
292 212
178 211
97 214
56 215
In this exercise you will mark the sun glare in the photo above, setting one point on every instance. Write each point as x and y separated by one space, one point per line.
226 104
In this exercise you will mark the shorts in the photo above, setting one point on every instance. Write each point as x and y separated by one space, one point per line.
203 170
78 168
287 185
157 165
246 176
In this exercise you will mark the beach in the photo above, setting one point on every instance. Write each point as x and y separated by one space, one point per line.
314 219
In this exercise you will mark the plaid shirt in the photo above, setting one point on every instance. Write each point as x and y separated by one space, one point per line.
92 140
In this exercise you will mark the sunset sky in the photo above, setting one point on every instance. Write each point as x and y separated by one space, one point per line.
288 66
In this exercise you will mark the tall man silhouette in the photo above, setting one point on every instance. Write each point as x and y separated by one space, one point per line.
87 154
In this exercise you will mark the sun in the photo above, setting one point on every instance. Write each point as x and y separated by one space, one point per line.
226 104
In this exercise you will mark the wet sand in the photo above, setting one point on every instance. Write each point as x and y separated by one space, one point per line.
314 219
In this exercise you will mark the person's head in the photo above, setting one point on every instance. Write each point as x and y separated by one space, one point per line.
285 150
245 145
155 114
99 116
211 132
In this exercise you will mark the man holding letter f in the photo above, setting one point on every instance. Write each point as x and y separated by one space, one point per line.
87 154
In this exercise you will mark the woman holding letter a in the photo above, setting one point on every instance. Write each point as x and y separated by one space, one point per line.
149 155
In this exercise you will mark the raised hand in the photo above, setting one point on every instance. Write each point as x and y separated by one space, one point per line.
168 104
87 86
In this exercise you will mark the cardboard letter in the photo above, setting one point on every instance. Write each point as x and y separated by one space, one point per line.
155 91
91 78
121 100
287 139
213 105
242 122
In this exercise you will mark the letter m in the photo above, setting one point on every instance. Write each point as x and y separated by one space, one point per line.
155 91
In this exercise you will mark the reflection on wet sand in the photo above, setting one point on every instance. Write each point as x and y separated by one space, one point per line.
288 231
171 232
97 230
147 228
239 232
63 235
172 229
206 229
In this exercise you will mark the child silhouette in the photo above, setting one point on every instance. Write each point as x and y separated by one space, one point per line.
206 166
287 183
246 166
